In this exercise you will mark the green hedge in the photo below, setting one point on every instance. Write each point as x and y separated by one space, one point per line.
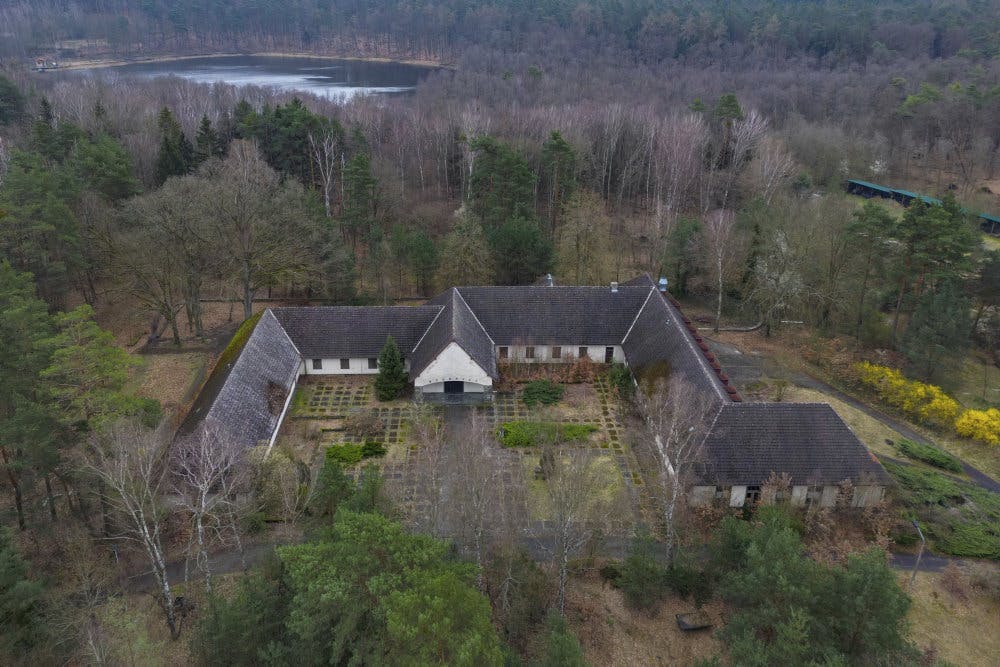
529 434
930 455
545 392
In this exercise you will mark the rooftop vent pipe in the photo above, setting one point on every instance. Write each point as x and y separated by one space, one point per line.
549 281
614 287
662 285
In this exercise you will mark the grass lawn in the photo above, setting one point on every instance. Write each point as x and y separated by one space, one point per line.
963 632
168 378
609 491
991 242
975 384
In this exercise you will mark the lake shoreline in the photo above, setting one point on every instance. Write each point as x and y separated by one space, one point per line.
108 63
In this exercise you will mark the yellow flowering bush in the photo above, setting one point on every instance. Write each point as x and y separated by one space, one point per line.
982 425
921 401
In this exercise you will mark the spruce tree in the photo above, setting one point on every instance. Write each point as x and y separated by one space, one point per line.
206 142
391 380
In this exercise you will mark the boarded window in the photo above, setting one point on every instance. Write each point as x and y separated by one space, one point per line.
345 364
529 352
504 353
317 364
556 352
372 363
753 495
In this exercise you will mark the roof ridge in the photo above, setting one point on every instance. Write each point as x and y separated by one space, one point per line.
269 311
429 326
458 291
638 313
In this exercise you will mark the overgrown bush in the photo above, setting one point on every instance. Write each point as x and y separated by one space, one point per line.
545 392
917 400
642 579
364 424
981 425
621 380
930 455
347 454
530 434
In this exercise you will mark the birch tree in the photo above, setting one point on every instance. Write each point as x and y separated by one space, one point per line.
128 462
326 153
675 418
721 248
208 469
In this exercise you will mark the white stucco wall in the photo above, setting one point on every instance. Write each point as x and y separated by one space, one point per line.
799 494
543 353
738 496
332 367
453 364
701 496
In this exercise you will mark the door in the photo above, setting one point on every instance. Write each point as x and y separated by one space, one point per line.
454 387
609 355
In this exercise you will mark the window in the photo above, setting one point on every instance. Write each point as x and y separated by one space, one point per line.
609 355
556 352
345 364
317 364
529 352
582 352
504 353
753 495
372 363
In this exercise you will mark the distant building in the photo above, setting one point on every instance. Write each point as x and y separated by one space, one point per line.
453 344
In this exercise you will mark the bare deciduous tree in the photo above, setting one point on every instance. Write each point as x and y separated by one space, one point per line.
208 469
326 155
721 249
675 419
128 460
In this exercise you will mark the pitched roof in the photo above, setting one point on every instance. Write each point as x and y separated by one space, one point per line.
659 334
251 399
332 332
540 315
456 323
809 441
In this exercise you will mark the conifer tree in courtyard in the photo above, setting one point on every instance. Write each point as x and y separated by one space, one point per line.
391 380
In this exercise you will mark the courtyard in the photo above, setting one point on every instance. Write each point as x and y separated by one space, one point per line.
327 410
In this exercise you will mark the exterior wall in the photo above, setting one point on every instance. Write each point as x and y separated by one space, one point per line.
467 387
799 494
738 496
332 367
543 353
701 496
829 497
452 365
865 496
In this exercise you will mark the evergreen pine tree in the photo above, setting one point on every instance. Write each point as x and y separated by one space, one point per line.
176 153
391 380
206 142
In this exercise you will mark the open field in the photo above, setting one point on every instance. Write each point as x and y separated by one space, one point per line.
963 632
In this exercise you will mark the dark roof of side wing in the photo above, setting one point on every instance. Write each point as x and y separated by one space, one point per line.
456 323
540 315
331 332
249 403
809 441
659 334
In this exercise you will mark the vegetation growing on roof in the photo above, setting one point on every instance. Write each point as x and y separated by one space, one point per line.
239 340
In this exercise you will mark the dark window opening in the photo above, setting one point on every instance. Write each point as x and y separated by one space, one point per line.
454 387
753 495
345 364
372 363
609 355
317 364
504 352
582 352
556 352
529 352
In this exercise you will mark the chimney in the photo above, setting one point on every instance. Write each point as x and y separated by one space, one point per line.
662 285
614 287
548 280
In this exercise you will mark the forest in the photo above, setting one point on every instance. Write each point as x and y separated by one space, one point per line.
706 142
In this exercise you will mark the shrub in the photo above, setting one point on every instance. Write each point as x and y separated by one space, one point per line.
930 455
621 380
530 434
981 425
364 425
917 400
610 572
643 581
347 454
372 448
545 392
688 581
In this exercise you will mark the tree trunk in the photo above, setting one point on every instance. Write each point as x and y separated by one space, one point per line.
50 498
16 485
